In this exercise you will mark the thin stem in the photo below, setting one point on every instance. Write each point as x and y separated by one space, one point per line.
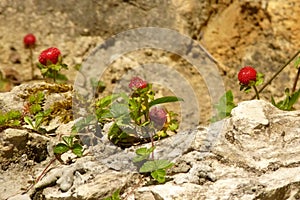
296 80
276 74
54 76
152 144
256 92
43 173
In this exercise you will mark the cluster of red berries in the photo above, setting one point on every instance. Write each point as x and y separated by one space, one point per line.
137 83
48 56
29 40
246 75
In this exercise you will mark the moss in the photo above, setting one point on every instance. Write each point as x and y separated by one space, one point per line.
63 109
48 87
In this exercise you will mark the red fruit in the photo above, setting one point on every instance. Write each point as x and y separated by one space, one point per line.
136 83
246 75
158 115
49 56
29 40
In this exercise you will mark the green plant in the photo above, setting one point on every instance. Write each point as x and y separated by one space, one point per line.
10 118
224 106
130 114
50 64
157 168
35 114
36 120
114 196
288 102
69 143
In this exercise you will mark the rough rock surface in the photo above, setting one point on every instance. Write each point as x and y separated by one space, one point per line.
251 155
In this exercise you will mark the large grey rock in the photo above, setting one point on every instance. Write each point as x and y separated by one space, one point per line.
255 156
251 155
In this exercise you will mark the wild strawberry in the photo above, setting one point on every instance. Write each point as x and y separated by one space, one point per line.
246 75
29 40
158 115
49 56
136 83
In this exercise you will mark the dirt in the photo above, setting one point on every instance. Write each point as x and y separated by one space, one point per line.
264 34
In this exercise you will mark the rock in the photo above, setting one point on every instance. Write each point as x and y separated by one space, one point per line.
249 116
253 160
251 155
260 144
20 197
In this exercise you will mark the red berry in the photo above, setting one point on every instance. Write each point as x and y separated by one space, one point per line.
136 83
158 115
29 40
246 75
49 56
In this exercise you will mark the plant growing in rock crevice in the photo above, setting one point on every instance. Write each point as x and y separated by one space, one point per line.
34 113
130 114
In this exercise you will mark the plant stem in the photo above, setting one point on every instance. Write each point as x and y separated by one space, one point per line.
256 92
54 76
152 142
43 173
276 74
296 81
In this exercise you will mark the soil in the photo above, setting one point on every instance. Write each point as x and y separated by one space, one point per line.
264 34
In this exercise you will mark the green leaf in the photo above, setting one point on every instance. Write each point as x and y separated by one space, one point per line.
82 123
61 77
143 154
294 98
68 140
119 109
13 114
103 114
153 165
115 196
140 158
38 120
16 123
56 67
288 102
28 121
39 97
77 150
60 148
297 62
3 119
144 150
224 106
159 175
259 79
166 99
107 100
44 71
35 108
